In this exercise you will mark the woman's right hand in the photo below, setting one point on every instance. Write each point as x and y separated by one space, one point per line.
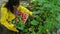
13 27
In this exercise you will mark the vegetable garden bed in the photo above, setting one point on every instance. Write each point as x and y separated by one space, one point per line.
46 18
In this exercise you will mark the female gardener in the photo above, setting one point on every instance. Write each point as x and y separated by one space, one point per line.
8 11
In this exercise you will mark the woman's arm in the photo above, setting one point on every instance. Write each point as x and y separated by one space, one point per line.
25 10
4 21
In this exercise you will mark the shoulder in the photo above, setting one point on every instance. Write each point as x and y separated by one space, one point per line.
3 8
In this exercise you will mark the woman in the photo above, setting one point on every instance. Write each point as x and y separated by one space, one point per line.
8 11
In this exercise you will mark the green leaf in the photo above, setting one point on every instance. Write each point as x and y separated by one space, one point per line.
33 32
13 21
40 28
19 18
36 12
41 1
48 33
25 30
31 28
34 22
38 33
53 33
20 25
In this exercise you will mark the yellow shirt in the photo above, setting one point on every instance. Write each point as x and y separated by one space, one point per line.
8 16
